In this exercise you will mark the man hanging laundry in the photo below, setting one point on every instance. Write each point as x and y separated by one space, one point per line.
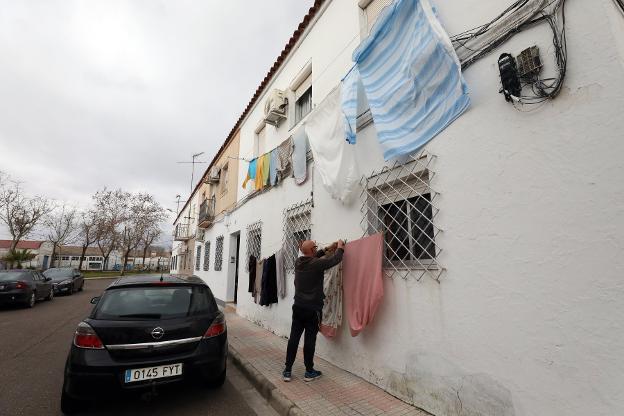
308 304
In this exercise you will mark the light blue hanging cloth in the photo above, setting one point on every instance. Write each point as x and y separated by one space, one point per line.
349 102
411 76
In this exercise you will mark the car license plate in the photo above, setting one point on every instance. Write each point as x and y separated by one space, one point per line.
1 287
150 373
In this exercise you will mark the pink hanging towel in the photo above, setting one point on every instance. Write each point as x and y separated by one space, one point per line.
362 280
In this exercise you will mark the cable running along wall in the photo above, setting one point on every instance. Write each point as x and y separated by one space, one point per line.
475 43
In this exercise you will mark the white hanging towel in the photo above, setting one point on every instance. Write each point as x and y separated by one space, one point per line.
333 156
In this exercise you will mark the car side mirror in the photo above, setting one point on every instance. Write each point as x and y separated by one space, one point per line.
95 300
47 279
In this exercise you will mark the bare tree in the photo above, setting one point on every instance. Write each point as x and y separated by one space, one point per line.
87 232
60 227
111 211
144 213
150 235
19 212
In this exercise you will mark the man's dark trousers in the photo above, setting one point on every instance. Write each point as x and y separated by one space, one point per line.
308 320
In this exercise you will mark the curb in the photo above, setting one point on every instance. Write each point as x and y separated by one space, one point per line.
282 404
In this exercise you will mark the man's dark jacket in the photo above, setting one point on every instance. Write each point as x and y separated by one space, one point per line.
309 278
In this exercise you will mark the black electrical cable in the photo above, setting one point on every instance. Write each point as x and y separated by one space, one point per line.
542 89
620 4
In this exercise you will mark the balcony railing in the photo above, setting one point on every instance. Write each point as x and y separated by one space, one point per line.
206 213
182 232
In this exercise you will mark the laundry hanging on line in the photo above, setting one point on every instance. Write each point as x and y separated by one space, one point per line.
270 168
280 272
411 77
251 172
334 158
332 307
251 264
258 282
362 279
268 294
349 102
300 156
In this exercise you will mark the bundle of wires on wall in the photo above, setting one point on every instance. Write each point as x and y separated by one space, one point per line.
619 4
475 43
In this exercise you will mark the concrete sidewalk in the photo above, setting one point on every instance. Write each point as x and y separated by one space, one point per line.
260 355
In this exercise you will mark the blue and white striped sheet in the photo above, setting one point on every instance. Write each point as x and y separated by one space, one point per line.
411 76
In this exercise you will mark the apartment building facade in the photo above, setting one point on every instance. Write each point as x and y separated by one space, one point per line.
505 313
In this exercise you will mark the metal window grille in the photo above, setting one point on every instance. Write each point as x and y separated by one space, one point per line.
219 254
254 241
297 228
400 203
197 257
207 256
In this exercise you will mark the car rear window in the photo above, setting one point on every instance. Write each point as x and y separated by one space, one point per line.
12 276
155 302
52 273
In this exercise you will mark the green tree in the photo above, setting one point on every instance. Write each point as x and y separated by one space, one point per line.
19 257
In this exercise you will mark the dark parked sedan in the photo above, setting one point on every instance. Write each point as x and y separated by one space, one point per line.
144 332
65 279
24 287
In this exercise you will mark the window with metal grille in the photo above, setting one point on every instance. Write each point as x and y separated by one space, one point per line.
219 254
197 257
401 204
207 256
297 228
254 241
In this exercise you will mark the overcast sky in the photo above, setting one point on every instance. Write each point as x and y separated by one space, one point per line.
113 93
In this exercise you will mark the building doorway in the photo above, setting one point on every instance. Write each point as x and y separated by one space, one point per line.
233 267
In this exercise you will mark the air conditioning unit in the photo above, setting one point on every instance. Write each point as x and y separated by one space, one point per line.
213 175
275 107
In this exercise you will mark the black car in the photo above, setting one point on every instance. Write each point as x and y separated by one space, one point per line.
65 279
24 287
143 332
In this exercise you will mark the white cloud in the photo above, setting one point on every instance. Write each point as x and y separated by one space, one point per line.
113 93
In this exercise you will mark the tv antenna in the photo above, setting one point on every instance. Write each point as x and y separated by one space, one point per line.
193 162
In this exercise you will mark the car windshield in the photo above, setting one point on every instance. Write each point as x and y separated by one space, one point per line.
155 302
12 276
59 274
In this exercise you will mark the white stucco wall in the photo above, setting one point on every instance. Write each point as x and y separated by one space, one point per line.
528 318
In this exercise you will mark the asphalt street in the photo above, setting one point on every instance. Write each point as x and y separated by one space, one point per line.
33 347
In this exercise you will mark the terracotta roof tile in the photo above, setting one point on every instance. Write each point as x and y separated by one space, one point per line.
24 244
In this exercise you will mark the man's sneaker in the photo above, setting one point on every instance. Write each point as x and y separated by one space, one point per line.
286 375
311 375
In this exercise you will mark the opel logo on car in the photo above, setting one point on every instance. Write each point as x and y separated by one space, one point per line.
158 332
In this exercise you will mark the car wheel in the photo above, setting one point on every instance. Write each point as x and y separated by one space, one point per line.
81 287
51 295
218 382
31 300
69 405
71 290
